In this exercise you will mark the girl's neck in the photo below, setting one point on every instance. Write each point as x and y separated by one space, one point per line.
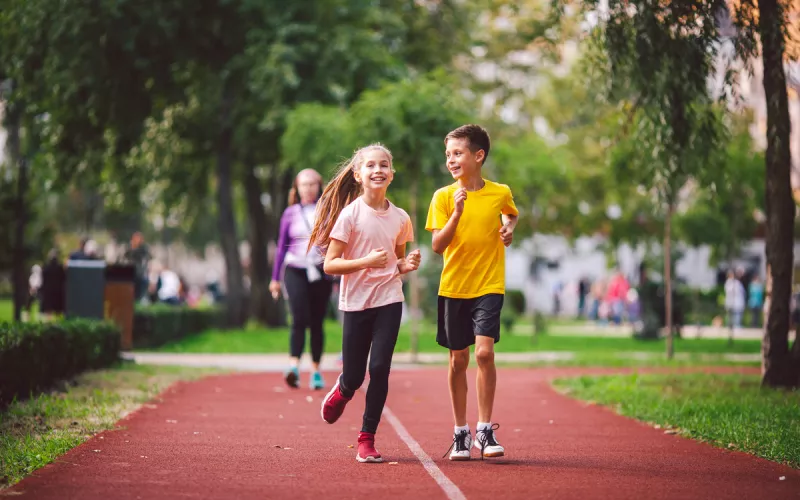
471 184
375 199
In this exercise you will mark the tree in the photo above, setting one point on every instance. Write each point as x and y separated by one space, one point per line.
763 25
659 57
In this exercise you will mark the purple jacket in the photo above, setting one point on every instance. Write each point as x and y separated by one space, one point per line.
295 229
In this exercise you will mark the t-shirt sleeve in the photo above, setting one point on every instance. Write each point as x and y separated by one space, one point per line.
509 208
343 226
406 232
437 213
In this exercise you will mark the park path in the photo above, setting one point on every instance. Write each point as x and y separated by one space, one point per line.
246 436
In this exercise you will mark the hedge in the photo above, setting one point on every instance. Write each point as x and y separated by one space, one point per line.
34 356
157 325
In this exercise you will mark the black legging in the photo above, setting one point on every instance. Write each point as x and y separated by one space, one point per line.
308 303
375 328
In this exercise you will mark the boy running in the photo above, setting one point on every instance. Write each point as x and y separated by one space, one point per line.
465 218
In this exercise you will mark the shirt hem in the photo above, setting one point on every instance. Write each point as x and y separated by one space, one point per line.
372 306
487 291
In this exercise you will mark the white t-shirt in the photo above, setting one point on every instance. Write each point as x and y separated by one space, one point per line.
170 285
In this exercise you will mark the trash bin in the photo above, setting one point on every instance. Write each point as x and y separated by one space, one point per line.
85 290
120 297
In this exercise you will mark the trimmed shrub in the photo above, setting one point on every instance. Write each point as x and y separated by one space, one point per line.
157 325
34 356
515 299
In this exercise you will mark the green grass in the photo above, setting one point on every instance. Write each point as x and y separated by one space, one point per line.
729 411
7 310
35 432
260 340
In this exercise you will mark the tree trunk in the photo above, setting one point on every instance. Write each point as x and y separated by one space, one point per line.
414 324
779 366
234 297
263 308
18 275
668 279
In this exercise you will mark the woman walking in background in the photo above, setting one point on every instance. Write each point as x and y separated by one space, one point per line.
52 292
307 287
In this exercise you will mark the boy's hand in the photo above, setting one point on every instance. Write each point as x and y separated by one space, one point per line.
458 198
507 234
377 258
410 263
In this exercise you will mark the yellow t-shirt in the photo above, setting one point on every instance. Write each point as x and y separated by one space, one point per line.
475 261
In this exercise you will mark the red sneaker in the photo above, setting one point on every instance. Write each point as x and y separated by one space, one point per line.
333 404
366 448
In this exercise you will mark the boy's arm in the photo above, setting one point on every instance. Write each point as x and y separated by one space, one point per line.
510 217
444 236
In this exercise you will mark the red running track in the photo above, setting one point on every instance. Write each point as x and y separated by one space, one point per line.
246 436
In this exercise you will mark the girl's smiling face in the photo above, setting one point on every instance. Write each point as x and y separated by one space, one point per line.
375 171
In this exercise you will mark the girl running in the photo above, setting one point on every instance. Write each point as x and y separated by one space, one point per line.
306 286
365 236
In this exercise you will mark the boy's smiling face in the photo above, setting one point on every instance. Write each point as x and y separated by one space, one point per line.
461 161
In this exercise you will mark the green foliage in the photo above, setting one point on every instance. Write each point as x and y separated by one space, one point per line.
157 325
430 274
508 317
723 210
515 300
317 136
34 356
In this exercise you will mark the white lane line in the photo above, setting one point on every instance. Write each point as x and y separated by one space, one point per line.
450 489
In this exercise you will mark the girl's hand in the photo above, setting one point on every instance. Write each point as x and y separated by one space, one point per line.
377 259
410 262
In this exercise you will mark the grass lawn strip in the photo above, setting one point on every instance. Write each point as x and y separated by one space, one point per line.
262 340
35 432
728 411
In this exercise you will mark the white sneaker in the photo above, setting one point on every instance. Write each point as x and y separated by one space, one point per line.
462 442
486 441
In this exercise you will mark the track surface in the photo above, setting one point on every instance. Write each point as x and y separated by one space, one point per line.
247 436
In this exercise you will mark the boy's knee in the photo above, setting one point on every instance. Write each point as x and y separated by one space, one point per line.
484 355
459 360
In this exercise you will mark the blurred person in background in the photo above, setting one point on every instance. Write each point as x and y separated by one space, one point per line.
305 284
734 301
53 289
34 286
755 301
138 254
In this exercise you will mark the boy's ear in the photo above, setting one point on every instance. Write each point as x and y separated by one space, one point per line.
480 155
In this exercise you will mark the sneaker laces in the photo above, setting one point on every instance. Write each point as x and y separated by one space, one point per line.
459 441
488 437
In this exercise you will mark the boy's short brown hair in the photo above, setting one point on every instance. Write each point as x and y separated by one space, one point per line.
477 136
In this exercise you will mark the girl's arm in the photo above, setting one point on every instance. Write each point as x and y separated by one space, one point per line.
336 264
406 264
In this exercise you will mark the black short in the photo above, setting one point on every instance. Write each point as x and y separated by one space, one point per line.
460 320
